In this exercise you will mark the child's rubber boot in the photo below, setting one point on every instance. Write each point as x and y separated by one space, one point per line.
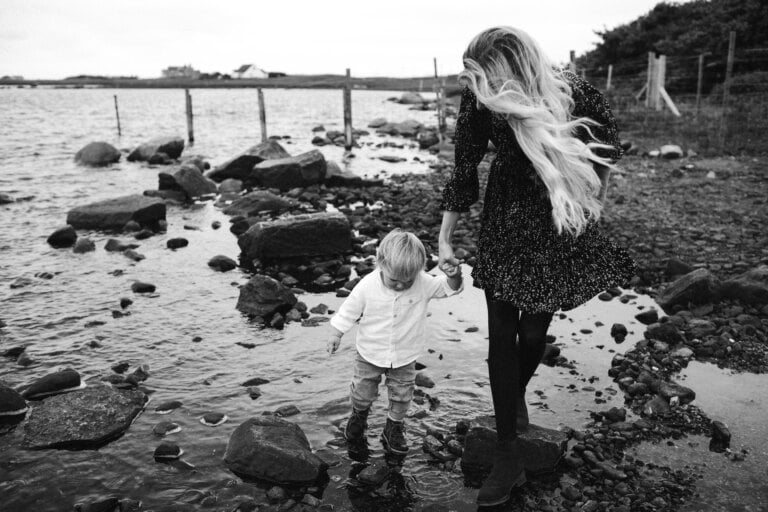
354 430
393 437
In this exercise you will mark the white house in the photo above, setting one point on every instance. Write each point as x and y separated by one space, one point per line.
250 71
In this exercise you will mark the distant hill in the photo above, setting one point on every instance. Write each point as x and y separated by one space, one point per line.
689 29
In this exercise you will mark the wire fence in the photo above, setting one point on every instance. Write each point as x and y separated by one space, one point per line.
713 118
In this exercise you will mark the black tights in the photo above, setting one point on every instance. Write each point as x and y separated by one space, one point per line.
515 347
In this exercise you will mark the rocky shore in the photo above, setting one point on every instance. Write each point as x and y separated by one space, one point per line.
694 225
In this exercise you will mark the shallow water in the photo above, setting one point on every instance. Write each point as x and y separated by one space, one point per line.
59 319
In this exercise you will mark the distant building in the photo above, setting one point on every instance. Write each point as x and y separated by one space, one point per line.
276 74
249 71
186 71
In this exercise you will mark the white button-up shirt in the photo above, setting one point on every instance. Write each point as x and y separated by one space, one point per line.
392 324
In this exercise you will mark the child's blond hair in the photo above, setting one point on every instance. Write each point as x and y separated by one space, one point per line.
401 254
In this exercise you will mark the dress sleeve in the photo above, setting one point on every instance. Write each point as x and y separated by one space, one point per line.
472 132
589 102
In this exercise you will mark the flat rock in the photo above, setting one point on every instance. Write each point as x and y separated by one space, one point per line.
273 449
542 448
257 202
214 419
165 428
312 234
240 167
114 214
87 418
166 407
168 451
97 154
286 173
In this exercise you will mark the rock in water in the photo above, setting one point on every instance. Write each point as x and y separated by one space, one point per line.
141 287
87 418
51 384
188 179
167 407
214 419
114 214
97 154
168 451
542 448
273 449
63 237
374 475
263 296
11 402
165 428
311 234
241 166
222 263
170 146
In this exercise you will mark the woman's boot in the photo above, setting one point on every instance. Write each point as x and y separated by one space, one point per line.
508 472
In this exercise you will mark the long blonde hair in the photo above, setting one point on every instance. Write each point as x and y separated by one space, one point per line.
509 74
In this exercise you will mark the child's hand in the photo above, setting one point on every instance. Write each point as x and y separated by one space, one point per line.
450 269
332 345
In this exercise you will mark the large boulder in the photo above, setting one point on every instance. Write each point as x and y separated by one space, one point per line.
750 287
113 214
241 166
697 287
263 296
88 418
273 449
287 173
188 179
169 146
541 448
312 234
97 154
256 202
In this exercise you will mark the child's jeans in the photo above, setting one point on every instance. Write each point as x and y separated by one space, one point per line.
365 386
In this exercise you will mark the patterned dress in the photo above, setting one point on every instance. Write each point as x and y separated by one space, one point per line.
521 258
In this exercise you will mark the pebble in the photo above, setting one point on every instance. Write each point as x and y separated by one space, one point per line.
165 428
213 419
168 451
167 407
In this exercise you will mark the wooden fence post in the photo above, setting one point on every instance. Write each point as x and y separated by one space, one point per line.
649 79
438 102
661 74
572 62
117 114
262 115
190 127
348 112
608 81
699 82
727 87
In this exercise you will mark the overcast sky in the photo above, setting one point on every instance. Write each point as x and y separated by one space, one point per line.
59 38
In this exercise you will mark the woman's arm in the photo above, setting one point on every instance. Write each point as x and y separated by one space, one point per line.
445 245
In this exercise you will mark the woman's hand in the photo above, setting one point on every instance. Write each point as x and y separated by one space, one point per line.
445 256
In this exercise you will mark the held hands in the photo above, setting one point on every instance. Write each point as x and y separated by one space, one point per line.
447 262
332 345
449 269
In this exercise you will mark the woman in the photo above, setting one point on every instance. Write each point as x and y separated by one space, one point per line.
539 248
